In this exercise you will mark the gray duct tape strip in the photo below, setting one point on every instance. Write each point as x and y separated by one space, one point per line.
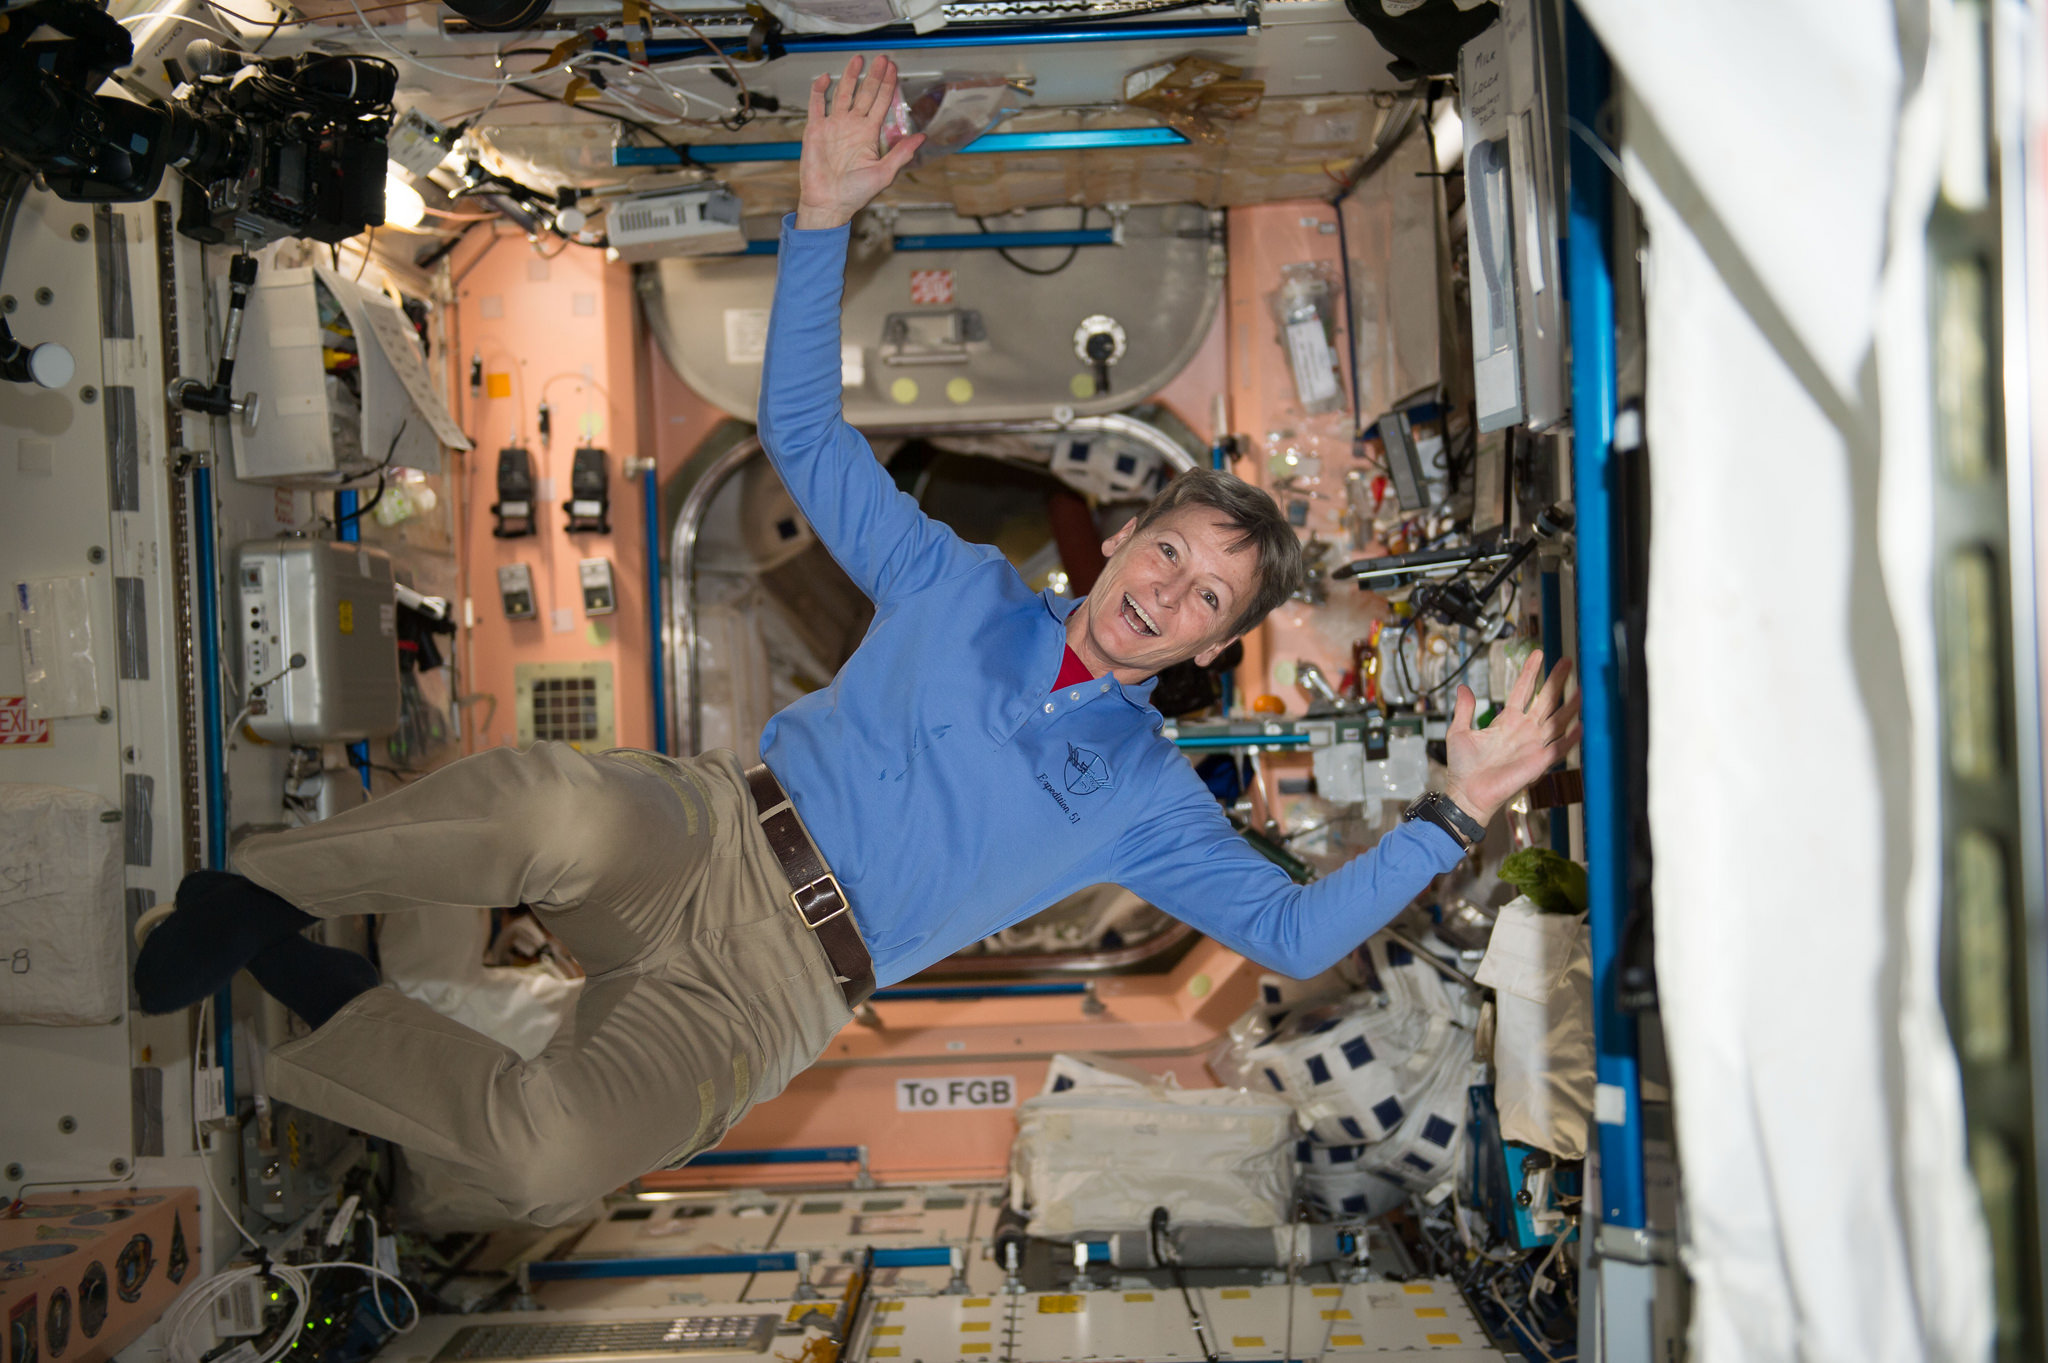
117 289
124 448
131 627
138 808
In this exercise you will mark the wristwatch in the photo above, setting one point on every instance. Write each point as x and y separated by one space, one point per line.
1439 809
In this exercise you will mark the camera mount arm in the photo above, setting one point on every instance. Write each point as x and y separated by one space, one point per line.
218 399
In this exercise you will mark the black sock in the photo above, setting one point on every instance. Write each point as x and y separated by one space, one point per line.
313 981
222 920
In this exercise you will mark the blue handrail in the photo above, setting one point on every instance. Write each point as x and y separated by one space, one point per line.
1590 283
816 1154
650 493
662 1266
964 241
212 740
349 530
1054 139
1051 988
922 1256
1006 241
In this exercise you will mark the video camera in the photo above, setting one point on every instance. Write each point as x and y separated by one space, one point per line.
268 147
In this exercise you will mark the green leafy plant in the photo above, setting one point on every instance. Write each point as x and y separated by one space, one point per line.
1552 883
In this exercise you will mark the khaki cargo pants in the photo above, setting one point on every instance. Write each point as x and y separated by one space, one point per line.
705 992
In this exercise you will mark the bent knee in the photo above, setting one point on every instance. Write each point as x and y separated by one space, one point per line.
548 1187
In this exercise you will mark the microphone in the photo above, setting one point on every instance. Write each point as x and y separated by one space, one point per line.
205 57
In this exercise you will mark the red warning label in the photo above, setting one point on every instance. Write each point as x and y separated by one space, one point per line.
15 724
931 287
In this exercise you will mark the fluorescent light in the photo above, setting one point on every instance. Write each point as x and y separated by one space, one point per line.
1448 132
403 206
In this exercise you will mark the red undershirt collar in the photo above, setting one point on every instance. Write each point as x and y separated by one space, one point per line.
1072 671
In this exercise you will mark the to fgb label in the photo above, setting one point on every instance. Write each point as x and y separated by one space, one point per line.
951 1095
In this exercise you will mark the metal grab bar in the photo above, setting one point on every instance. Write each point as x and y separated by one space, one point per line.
810 1154
970 992
668 1266
1052 139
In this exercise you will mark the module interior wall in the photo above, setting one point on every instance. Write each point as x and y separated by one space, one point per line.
1265 408
561 327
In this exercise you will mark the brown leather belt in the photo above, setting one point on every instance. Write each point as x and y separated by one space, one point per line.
814 890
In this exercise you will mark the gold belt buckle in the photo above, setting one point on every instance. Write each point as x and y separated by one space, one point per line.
796 900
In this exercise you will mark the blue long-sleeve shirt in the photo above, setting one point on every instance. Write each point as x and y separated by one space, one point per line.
953 794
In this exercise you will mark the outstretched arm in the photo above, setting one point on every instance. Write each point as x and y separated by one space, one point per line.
1188 861
842 168
876 532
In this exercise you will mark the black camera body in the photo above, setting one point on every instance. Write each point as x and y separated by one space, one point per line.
306 163
268 148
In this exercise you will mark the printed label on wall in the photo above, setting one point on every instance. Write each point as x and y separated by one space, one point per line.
15 725
746 335
955 1094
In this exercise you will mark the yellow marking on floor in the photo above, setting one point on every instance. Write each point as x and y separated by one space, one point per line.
1247 1341
1446 1339
1339 1314
968 1327
1137 1296
1326 1292
889 1329
1346 1341
1237 1294
889 1306
890 1352
1058 1305
977 1348
1426 1312
974 1303
1418 1289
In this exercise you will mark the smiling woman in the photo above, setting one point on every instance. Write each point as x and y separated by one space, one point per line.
774 617
1208 557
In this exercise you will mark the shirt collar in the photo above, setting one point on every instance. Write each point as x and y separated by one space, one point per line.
1138 694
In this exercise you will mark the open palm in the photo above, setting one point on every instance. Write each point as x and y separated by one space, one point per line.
843 167
1533 732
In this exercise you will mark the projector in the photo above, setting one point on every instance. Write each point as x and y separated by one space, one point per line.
702 220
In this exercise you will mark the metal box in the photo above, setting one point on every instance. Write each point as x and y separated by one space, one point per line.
310 426
319 641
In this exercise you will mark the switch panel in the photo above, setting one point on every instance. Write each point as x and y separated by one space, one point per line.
515 587
596 576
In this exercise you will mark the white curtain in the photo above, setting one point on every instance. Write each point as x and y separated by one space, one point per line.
1785 155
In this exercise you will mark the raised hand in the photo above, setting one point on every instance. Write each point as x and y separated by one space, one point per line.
1531 734
843 167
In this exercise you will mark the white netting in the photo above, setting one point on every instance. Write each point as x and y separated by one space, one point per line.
1377 1076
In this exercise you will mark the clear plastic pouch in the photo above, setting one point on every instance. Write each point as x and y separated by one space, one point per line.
950 111
1305 307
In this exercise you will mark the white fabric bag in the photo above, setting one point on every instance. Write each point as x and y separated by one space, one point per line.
1541 971
855 16
1100 1159
62 961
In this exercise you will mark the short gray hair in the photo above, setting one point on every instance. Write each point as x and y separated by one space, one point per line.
1252 511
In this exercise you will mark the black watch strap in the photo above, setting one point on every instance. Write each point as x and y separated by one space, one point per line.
1439 809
